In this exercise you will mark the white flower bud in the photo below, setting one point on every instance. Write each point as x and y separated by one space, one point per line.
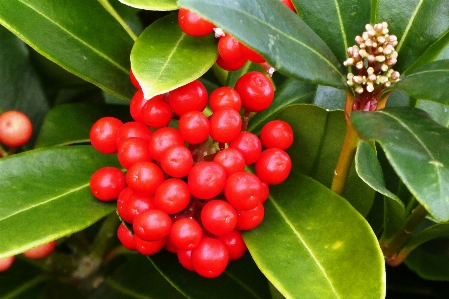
348 62
384 67
372 78
359 65
219 32
380 58
359 90
357 79
369 87
370 70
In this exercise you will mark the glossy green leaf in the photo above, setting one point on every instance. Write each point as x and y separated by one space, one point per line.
418 149
241 279
319 136
152 4
410 21
435 231
164 57
428 82
330 98
439 112
45 195
285 40
80 36
336 22
71 123
313 244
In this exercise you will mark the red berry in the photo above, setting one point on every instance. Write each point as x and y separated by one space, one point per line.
185 259
225 97
157 113
133 150
103 134
229 48
41 251
131 206
186 234
265 192
249 219
225 125
163 139
132 129
172 196
152 225
249 145
136 105
251 55
273 166
206 180
148 247
144 177
255 90
230 65
277 134
289 4
231 159
126 237
194 127
134 80
210 258
243 190
106 183
190 97
192 24
169 246
234 243
6 263
15 128
177 161
218 217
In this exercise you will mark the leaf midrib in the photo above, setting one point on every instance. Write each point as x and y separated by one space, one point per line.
409 25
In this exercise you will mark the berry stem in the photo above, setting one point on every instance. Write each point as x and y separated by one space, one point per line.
108 7
3 152
245 120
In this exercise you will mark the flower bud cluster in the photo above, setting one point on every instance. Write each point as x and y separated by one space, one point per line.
373 58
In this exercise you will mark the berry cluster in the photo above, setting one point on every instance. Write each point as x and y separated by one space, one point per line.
186 188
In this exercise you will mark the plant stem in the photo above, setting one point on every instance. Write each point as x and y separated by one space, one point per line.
113 12
104 237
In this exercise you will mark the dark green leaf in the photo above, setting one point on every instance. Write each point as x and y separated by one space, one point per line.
80 36
152 4
428 82
418 149
336 22
164 57
439 112
285 40
241 279
305 247
71 123
22 281
330 98
432 232
417 32
45 195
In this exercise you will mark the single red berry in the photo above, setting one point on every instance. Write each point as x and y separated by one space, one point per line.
225 97
276 134
190 97
163 139
133 150
107 182
249 219
234 243
273 166
103 134
152 225
186 234
15 128
41 251
192 24
136 105
169 246
134 80
157 113
126 237
229 48
148 247
289 4
185 259
230 65
243 190
255 90
6 263
251 55
172 196
265 192
194 127
249 145
132 129
210 258
144 177
225 125
218 217
131 206
206 180
231 159
177 161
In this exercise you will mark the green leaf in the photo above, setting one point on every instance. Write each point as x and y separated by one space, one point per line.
71 123
45 195
428 82
336 22
432 232
285 40
417 32
164 57
330 98
319 136
80 36
418 149
241 279
313 244
22 281
439 112
161 5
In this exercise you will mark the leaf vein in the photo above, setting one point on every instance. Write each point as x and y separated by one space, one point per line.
409 25
242 284
340 20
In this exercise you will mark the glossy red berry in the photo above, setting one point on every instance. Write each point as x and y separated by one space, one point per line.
230 65
249 219
136 105
177 161
157 113
229 48
210 258
163 139
234 243
126 237
6 263
133 150
190 97
41 251
133 79
273 166
231 159
206 180
152 225
144 177
251 55
289 4
172 196
107 182
218 217
148 247
225 125
243 190
276 134
186 234
255 90
185 259
131 206
249 145
132 129
103 134
15 128
265 191
225 97
194 127
192 24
